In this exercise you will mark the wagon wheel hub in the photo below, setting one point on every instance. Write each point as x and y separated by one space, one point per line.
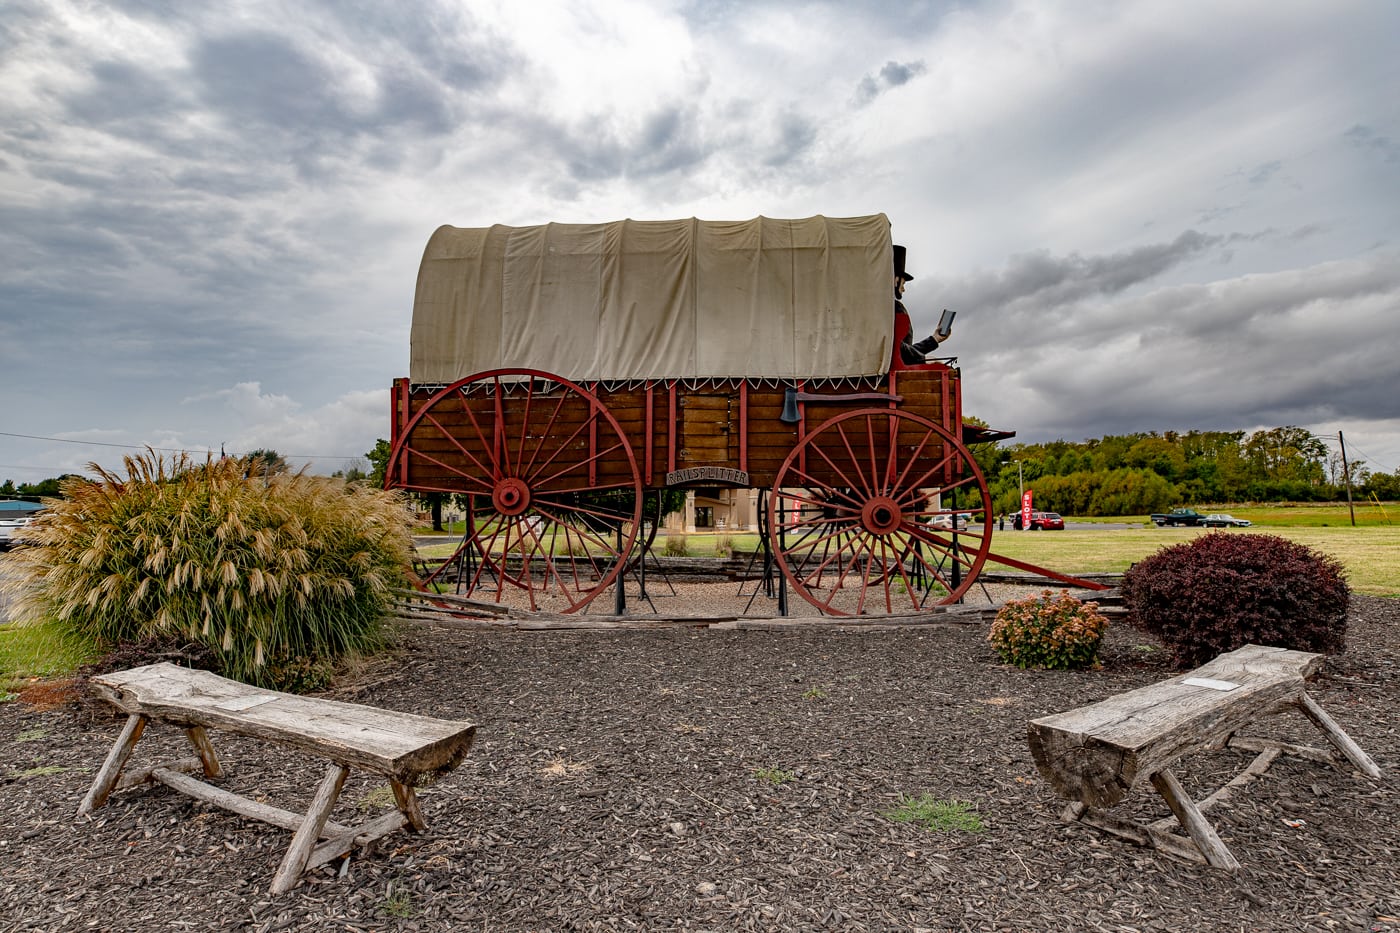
511 496
881 515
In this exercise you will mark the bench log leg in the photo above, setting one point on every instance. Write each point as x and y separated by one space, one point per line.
1251 743
305 838
138 776
407 799
111 769
207 756
364 835
1193 821
1337 736
1257 767
1146 836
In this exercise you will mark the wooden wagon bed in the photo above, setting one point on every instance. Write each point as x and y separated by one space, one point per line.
678 433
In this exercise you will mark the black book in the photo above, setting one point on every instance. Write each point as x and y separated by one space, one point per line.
945 323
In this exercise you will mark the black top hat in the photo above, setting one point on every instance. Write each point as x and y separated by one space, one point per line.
899 264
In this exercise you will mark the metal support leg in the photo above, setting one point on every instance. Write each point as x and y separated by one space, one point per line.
782 545
620 584
957 564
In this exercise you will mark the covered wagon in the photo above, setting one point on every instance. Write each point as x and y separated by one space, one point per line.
562 375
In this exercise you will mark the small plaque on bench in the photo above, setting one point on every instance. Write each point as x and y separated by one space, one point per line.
1221 685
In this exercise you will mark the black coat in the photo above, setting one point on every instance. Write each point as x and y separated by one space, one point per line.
910 352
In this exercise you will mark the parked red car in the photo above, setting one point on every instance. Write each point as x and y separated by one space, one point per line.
1041 521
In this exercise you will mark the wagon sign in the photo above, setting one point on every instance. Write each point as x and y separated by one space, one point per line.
708 475
561 376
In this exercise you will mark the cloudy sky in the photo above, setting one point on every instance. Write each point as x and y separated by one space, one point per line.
1149 215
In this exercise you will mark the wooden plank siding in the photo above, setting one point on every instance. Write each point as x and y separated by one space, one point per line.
723 424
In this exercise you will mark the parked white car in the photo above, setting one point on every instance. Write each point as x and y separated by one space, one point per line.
1221 520
8 526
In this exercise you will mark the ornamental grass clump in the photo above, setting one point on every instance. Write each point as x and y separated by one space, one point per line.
1056 632
1223 591
278 576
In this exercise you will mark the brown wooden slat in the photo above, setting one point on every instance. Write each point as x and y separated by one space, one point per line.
708 402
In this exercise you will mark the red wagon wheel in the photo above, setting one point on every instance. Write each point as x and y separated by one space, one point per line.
553 485
879 511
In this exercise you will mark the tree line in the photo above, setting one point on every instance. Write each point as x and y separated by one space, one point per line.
1125 474
31 491
1137 474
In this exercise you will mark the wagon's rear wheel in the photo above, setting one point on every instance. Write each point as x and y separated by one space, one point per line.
856 509
554 493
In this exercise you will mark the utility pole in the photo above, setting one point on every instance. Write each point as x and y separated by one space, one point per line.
1346 478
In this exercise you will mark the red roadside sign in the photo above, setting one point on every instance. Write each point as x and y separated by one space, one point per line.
1026 509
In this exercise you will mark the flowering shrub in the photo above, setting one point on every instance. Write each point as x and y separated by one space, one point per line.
1056 632
1222 591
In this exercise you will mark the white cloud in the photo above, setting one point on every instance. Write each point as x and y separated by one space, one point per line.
324 436
226 204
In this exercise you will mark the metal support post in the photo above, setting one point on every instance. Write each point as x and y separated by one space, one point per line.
620 584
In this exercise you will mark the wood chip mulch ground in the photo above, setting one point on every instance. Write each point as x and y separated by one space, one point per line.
701 779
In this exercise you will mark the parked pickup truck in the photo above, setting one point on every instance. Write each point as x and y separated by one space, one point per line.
1177 517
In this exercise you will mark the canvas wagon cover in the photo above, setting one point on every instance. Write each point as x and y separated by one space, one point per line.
657 299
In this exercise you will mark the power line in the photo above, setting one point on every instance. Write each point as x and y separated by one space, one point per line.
69 440
1365 457
1369 459
173 450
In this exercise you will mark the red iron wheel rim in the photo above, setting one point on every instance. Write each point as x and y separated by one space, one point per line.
552 484
853 510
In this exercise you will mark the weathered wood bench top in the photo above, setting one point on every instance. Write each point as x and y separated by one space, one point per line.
397 745
1097 754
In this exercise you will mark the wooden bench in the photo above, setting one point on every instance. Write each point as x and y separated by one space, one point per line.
1096 755
400 746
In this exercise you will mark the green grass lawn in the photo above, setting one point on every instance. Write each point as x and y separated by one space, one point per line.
1371 556
1289 515
36 652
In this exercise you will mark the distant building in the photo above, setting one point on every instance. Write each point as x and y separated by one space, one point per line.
716 509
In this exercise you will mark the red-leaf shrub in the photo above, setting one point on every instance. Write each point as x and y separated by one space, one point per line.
1222 591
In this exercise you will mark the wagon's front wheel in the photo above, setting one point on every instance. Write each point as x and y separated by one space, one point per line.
879 511
554 492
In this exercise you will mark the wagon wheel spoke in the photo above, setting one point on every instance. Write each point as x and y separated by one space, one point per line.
555 495
854 508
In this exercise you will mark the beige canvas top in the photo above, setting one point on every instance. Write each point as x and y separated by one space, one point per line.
657 299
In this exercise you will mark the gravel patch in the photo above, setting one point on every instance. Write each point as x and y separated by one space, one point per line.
702 779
